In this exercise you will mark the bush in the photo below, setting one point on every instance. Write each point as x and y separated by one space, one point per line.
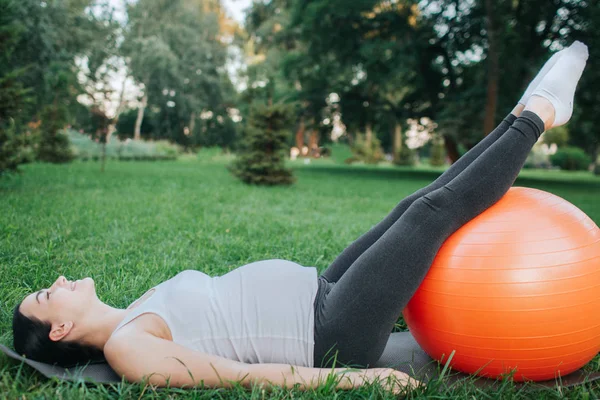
537 158
53 145
362 151
85 149
54 148
438 153
571 159
340 152
558 135
261 158
13 148
406 157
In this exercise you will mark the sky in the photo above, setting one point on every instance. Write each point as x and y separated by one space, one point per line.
234 8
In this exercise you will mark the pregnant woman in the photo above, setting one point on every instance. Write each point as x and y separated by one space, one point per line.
275 322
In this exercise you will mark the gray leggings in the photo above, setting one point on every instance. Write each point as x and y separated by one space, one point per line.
363 292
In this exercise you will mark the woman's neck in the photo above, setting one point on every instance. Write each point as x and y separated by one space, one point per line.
102 322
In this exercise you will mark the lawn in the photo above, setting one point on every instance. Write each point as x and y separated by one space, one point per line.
140 223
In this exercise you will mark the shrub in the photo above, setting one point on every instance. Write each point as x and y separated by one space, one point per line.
537 158
406 157
362 151
85 149
438 152
340 152
13 148
53 144
13 100
558 135
571 159
54 148
261 158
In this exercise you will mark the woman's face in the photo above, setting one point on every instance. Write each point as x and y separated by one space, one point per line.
63 303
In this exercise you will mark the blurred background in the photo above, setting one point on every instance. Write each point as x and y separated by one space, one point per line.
124 119
395 82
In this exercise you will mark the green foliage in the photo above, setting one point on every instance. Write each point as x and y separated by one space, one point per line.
13 95
340 152
126 124
406 157
54 147
261 158
13 148
537 158
558 136
369 153
85 148
438 152
53 144
175 51
586 118
571 159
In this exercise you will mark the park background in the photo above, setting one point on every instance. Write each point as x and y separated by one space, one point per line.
129 132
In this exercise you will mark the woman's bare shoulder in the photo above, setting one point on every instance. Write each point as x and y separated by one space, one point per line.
143 324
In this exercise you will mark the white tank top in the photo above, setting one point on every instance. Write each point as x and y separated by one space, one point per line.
259 313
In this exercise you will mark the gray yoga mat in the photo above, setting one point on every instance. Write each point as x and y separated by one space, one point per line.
402 353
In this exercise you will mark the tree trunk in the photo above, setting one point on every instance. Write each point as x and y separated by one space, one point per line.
105 131
397 141
137 133
103 157
112 128
192 124
369 134
300 134
451 148
493 71
313 141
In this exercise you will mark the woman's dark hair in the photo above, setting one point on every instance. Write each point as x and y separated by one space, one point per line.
31 339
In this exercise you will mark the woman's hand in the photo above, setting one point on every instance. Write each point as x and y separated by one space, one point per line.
396 381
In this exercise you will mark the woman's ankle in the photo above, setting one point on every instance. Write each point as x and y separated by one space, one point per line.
517 110
543 109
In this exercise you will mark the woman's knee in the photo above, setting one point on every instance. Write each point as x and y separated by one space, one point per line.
434 202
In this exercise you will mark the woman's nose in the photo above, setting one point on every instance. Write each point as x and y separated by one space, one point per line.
61 281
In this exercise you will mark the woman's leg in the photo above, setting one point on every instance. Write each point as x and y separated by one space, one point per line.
358 313
339 266
359 246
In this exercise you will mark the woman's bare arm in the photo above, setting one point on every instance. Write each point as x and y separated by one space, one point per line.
163 363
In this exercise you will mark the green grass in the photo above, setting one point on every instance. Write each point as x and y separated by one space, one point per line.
139 224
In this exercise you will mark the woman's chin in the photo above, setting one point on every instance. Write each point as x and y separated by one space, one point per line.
86 284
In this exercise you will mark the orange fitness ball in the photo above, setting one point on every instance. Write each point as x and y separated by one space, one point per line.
515 289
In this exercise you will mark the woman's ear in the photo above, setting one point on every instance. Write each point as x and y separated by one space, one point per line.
59 331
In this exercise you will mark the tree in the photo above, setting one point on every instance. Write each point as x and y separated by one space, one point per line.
54 145
44 41
261 159
13 95
98 66
176 51
387 50
583 129
492 49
